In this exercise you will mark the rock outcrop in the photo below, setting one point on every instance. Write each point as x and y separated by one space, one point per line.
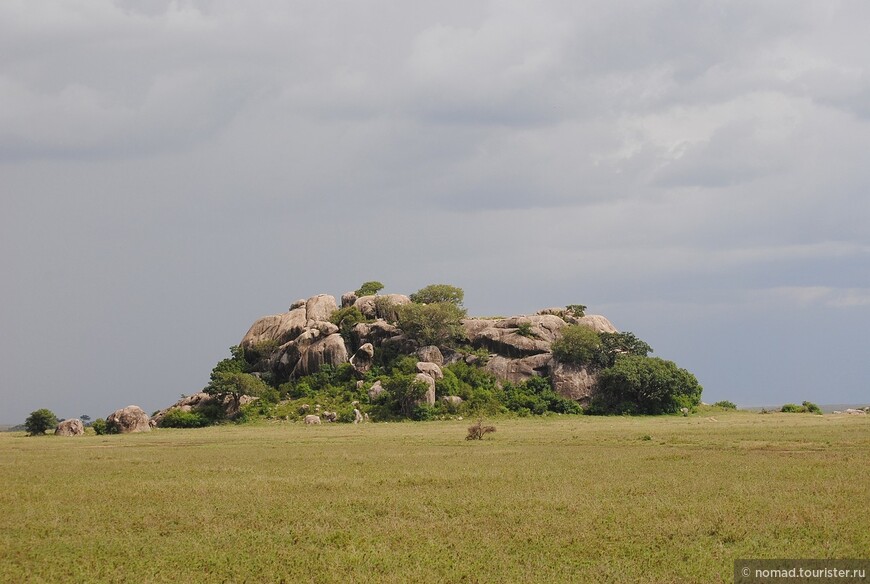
378 306
130 419
362 359
572 381
73 427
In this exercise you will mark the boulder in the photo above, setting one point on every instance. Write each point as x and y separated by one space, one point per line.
357 416
518 370
373 307
298 304
375 391
573 381
330 416
452 400
328 350
373 332
597 323
347 299
319 308
73 427
312 419
430 369
431 354
502 336
277 327
429 398
129 419
362 359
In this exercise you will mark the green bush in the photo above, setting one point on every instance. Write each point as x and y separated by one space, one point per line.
438 293
369 288
577 310
805 408
345 319
40 421
577 344
102 427
725 404
615 344
439 323
177 418
524 329
645 385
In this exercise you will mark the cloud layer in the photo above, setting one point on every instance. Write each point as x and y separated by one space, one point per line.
172 170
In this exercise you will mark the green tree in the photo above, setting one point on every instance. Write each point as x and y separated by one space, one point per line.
645 385
235 385
345 319
615 344
439 323
369 288
39 421
577 344
405 392
437 293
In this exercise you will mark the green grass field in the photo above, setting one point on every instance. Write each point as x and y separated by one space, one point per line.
560 499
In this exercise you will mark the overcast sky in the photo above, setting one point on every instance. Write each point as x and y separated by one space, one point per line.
698 172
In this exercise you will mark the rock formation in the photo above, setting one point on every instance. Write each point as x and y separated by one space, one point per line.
129 419
73 427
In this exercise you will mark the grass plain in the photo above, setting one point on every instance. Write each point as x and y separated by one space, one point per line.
559 499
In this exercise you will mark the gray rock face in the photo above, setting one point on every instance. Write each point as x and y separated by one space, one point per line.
430 369
328 350
431 354
374 332
130 419
429 398
73 427
518 370
597 323
319 308
376 390
347 299
371 308
452 400
311 419
362 359
573 381
277 327
503 336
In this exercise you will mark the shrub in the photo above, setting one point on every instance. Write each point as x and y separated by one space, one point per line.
805 408
438 293
178 418
386 309
645 385
405 392
577 344
39 421
524 329
615 344
478 431
437 324
577 310
102 427
261 350
369 288
725 404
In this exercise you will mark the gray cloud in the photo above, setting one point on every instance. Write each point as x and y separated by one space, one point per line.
173 170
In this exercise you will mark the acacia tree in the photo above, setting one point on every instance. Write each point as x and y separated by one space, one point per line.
437 324
40 421
369 288
230 378
436 293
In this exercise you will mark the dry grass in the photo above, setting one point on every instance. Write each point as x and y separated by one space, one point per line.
576 499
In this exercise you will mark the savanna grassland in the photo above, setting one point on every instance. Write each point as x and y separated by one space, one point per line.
560 499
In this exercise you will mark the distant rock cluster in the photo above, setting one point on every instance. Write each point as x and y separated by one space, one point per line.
519 347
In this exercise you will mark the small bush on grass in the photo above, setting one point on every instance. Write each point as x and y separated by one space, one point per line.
725 404
805 408
478 431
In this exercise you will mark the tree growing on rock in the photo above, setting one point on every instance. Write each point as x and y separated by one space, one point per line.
437 293
369 288
578 345
40 421
439 323
230 378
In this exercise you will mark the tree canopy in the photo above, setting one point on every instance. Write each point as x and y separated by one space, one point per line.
40 421
645 385
369 288
435 293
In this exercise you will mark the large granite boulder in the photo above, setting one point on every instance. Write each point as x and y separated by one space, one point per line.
516 337
373 306
129 419
73 427
277 327
319 308
329 350
518 370
597 323
573 381
429 398
431 354
362 359
430 369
